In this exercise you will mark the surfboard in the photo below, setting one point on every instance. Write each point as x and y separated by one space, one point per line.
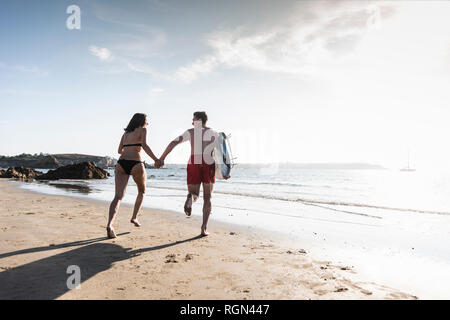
222 157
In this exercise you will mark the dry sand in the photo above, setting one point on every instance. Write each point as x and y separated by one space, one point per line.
41 235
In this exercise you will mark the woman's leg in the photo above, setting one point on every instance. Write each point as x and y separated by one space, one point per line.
121 181
140 177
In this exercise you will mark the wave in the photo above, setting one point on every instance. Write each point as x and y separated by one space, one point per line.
317 202
305 201
308 218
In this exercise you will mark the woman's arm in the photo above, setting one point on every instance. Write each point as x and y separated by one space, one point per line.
121 145
146 147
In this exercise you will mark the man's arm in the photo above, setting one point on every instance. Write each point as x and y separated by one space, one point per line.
184 137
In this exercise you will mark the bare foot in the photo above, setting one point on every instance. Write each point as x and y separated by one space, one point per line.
204 232
110 233
188 205
135 222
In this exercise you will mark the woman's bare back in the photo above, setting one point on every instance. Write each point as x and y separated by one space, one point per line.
132 152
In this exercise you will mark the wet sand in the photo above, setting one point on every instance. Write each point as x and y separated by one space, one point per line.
42 235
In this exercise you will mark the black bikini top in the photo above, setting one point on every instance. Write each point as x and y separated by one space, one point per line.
133 145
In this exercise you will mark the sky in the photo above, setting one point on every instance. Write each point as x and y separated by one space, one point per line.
291 81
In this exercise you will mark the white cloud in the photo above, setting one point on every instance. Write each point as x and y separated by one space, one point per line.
332 40
315 33
136 40
298 49
102 53
199 67
139 46
153 94
143 69
24 69
30 93
155 91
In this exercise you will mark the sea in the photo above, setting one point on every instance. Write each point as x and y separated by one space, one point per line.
390 226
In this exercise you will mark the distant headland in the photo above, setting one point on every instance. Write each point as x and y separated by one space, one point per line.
52 161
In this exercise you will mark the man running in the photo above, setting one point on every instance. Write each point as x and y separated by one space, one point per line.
201 166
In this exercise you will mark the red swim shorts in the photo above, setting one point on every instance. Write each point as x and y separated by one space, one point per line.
198 173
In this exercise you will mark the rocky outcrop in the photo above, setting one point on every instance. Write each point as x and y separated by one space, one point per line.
84 170
20 173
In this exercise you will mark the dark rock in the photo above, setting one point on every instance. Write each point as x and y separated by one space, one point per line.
20 173
84 170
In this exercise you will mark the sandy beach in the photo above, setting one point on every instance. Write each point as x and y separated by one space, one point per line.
41 235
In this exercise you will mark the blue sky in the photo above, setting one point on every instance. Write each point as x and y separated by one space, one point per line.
292 81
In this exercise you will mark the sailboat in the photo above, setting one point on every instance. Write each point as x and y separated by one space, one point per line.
408 168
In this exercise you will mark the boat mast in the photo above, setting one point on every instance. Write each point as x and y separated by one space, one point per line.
408 158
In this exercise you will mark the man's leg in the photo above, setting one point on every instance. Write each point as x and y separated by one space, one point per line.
207 191
193 192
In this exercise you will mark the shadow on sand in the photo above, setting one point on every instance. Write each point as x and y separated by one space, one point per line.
47 278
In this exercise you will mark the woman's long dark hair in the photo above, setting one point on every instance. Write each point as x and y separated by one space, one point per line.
137 121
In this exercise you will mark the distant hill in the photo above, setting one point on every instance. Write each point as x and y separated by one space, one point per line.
71 158
52 161
338 166
356 165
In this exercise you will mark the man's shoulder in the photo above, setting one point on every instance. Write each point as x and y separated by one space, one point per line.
214 132
188 132
186 135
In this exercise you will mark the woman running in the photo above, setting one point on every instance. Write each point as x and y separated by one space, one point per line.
130 163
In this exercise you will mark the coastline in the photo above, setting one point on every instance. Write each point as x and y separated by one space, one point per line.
164 259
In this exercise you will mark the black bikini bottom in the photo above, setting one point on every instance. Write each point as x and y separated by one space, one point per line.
127 165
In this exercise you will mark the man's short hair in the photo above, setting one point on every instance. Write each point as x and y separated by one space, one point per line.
201 115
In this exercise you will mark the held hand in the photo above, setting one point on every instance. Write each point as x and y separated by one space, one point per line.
158 163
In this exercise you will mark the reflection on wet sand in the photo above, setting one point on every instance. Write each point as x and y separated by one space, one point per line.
73 187
76 188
